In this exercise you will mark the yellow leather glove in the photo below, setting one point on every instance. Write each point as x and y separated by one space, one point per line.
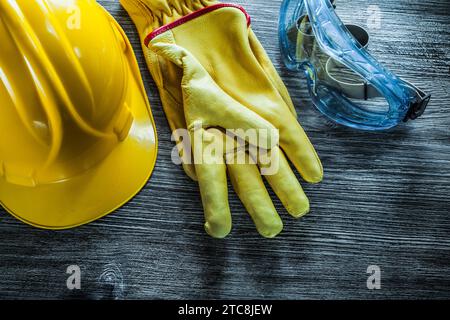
214 75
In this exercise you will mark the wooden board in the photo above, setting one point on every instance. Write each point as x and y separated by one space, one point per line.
384 201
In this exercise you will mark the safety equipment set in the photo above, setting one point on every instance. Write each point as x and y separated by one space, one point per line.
79 138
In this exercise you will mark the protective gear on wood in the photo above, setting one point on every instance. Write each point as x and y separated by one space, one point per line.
78 138
214 75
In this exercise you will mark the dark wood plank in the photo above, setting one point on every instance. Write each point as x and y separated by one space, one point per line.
384 201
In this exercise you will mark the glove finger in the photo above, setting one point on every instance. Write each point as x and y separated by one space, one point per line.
270 71
292 137
284 183
212 178
299 150
250 188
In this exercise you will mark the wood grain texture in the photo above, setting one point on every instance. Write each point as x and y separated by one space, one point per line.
384 201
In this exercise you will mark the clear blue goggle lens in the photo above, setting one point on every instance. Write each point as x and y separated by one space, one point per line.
345 82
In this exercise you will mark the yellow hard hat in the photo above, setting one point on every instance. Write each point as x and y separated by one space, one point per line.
78 138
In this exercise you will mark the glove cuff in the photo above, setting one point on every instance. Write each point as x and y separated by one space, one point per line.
193 15
162 12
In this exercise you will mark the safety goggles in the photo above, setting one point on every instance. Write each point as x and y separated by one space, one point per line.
346 83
